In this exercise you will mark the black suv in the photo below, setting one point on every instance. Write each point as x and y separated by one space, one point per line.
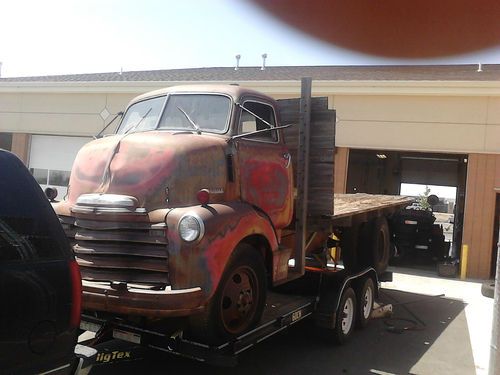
40 286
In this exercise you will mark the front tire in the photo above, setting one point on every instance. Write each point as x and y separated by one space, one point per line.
238 303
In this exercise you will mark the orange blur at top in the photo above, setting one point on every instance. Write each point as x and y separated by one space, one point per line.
395 28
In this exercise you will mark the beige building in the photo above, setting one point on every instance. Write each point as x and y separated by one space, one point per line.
429 125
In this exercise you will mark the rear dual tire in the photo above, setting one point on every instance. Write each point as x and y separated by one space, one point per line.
345 318
374 245
366 299
353 310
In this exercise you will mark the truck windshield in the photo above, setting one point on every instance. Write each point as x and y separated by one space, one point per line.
208 112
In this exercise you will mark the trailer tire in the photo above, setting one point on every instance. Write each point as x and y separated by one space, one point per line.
345 316
366 298
238 303
381 242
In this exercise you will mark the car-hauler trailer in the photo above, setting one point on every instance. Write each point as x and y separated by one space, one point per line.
208 197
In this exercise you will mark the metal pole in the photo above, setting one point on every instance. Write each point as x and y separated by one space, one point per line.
495 339
303 176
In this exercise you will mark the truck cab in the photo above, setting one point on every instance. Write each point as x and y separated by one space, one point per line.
160 213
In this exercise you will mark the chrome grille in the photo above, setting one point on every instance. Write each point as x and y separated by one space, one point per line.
118 252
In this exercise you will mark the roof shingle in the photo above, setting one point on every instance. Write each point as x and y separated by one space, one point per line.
490 72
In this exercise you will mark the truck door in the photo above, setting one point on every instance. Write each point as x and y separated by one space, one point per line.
265 166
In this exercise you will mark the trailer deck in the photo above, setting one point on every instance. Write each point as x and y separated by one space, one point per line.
281 312
117 339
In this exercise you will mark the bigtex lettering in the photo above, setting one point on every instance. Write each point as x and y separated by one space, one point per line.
107 357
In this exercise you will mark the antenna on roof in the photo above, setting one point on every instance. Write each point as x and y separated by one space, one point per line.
479 67
264 57
238 57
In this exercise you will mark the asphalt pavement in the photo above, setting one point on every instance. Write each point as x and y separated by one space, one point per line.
439 326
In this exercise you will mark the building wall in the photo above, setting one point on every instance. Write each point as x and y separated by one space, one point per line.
74 114
420 123
483 183
461 124
446 117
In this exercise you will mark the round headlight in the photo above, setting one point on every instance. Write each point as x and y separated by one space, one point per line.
190 228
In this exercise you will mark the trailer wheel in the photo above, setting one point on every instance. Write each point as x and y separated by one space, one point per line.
366 298
381 242
238 303
345 317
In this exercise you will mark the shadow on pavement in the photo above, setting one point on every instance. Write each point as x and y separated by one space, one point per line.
427 335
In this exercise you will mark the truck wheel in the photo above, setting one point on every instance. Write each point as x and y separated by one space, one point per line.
345 317
366 297
381 242
238 303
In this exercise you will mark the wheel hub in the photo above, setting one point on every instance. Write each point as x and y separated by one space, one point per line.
245 301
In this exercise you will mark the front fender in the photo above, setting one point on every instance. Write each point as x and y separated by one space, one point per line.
202 263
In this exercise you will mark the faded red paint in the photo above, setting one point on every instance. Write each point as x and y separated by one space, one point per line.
144 165
225 226
266 179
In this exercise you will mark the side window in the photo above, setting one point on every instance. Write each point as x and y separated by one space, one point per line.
250 123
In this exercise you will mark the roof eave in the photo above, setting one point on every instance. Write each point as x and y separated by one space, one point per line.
283 87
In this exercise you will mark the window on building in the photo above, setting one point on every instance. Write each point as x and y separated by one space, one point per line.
6 141
58 178
41 175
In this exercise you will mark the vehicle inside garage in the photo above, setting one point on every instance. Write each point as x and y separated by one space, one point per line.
427 233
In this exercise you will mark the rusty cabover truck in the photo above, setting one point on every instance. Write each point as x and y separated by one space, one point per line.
209 198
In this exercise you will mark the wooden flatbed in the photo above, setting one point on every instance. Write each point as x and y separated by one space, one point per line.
360 207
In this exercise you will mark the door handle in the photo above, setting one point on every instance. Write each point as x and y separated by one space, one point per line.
288 159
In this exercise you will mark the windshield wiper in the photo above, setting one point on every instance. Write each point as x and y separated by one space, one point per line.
190 120
109 123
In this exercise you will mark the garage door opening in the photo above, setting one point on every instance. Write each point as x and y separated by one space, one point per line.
427 234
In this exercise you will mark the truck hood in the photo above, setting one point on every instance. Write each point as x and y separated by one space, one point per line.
157 168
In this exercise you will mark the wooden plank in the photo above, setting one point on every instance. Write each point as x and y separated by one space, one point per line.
354 204
320 150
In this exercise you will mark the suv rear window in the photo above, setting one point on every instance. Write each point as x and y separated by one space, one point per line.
29 229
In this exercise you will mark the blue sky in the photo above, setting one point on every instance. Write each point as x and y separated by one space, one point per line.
84 36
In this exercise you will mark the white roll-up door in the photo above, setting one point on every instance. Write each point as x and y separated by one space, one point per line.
51 159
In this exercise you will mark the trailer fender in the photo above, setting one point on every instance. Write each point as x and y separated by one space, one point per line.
201 263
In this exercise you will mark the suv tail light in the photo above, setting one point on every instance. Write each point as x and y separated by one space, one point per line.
76 294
